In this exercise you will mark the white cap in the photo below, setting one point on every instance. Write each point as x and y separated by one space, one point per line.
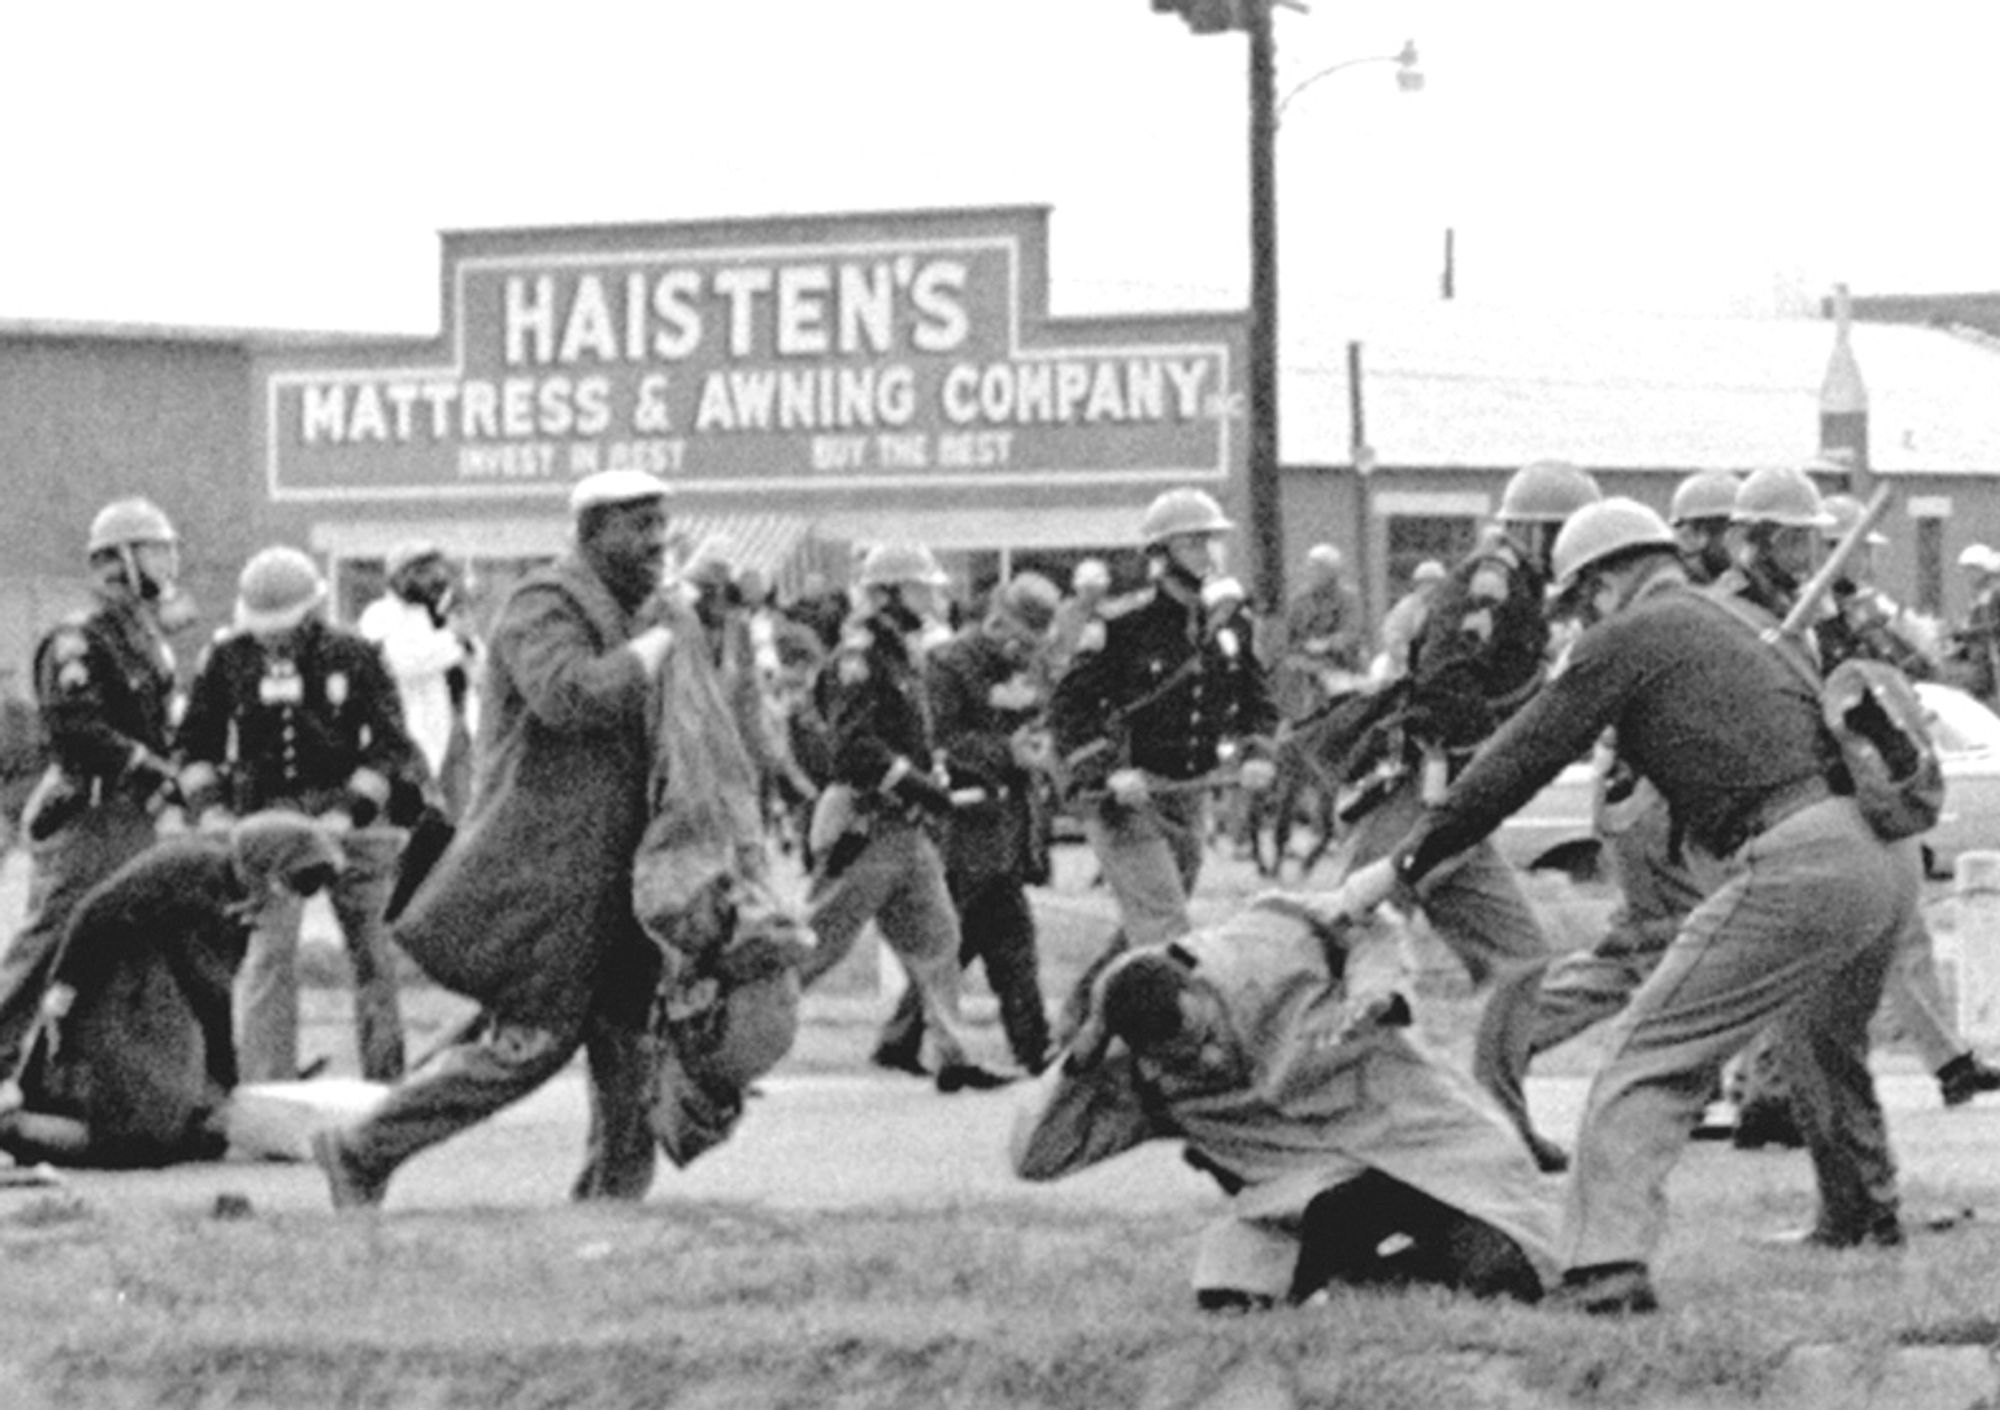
615 487
1978 555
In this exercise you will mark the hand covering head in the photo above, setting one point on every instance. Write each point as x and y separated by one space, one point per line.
284 848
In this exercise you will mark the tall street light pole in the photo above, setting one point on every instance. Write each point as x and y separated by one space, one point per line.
1267 533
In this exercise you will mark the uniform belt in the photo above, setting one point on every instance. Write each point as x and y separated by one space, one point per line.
1772 809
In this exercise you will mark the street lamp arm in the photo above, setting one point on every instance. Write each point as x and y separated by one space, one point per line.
1406 57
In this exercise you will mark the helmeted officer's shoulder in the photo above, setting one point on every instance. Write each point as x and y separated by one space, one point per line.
65 651
1493 571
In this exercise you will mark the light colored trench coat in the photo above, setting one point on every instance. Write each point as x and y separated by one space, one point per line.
1319 1101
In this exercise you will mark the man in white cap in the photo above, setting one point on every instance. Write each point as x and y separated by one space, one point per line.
530 910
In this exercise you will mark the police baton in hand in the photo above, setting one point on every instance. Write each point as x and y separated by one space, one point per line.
1806 609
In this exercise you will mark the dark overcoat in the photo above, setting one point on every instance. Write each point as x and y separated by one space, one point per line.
533 900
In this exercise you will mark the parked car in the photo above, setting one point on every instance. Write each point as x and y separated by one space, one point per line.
1554 830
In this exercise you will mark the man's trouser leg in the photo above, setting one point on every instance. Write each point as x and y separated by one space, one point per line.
619 1159
918 922
494 1065
1343 1229
1811 897
1822 1047
999 929
1150 857
837 907
359 896
61 868
1918 995
267 992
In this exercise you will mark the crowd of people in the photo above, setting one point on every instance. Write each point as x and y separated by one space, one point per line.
604 768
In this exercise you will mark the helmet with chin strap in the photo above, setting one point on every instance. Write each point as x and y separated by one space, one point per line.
1782 495
1546 492
1182 511
1599 532
1706 494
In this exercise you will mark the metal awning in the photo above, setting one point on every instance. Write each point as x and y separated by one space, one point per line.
770 543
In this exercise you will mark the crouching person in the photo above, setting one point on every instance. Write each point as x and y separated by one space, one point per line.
1276 1049
130 1062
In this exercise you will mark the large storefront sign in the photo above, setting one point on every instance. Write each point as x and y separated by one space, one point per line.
847 354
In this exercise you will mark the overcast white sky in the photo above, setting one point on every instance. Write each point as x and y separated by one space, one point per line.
277 164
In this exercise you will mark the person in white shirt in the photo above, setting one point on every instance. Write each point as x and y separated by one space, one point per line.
430 660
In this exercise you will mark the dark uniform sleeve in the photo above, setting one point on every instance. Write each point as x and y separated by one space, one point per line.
962 722
385 743
1554 729
1256 712
863 714
204 732
75 678
1472 651
1080 715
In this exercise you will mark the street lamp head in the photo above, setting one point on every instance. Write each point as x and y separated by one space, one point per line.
1409 78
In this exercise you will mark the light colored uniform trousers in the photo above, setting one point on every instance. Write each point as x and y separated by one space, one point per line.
1584 987
898 882
1151 858
267 989
1914 993
1475 905
493 1064
1801 935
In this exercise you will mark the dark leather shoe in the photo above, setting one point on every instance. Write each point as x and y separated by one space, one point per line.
1605 1290
899 1060
1761 1124
345 1182
1550 1158
1964 1078
969 1077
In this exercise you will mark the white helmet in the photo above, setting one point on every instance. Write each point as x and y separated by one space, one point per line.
1184 511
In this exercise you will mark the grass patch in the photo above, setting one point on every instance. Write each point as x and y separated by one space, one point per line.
989 1304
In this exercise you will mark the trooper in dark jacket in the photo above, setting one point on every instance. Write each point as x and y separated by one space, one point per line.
1658 880
1800 934
1482 653
987 700
1142 722
104 684
133 1060
877 860
289 712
